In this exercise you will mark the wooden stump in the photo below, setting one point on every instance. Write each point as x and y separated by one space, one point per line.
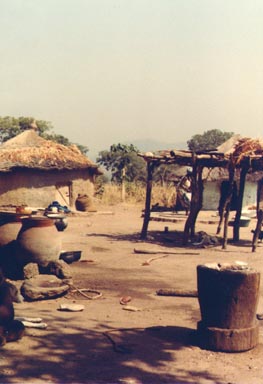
228 340
228 298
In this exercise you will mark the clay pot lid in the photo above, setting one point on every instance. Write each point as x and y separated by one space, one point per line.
37 221
56 216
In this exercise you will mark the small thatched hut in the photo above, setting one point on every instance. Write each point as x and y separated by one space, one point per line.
35 172
239 157
216 180
239 147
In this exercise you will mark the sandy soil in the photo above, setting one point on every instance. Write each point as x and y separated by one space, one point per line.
107 344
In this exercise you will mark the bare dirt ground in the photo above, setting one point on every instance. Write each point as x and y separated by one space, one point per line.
107 344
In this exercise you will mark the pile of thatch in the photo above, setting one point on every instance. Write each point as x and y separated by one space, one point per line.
247 147
28 150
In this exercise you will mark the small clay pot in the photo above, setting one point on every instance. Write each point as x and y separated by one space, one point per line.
61 224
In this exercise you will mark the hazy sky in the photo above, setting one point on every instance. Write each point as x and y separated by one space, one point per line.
109 71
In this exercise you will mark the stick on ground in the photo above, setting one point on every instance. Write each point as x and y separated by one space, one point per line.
152 252
177 292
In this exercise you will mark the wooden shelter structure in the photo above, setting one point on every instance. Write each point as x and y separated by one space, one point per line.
244 155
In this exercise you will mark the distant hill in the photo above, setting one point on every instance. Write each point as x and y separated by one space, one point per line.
145 146
154 145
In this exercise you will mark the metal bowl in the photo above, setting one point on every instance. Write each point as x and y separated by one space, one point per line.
70 256
244 222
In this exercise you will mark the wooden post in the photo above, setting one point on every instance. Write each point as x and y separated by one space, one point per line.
243 174
257 230
199 199
147 210
259 215
226 208
196 201
123 191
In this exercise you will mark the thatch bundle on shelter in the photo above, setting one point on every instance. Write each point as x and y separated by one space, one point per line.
36 171
246 147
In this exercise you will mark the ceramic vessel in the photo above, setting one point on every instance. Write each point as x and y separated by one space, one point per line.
85 203
10 225
61 224
38 241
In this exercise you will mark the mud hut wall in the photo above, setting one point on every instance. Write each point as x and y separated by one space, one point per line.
211 194
250 194
38 188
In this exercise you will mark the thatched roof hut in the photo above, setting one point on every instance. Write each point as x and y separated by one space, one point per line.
36 171
29 150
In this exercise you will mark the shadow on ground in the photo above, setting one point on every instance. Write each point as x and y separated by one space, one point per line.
134 355
171 240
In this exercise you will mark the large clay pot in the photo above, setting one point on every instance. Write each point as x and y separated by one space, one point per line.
38 241
10 225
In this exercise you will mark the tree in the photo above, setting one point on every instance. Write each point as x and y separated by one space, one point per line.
123 158
208 140
12 126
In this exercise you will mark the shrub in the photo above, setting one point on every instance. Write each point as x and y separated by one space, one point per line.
135 193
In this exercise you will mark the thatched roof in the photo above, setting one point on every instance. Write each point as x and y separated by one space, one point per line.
29 150
220 174
228 145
